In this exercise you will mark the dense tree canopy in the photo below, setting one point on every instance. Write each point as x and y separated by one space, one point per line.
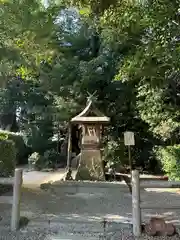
127 52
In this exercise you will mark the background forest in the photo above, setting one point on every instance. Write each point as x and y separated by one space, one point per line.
53 54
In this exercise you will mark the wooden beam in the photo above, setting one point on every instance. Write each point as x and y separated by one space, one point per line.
69 146
7 181
119 174
158 206
6 199
90 120
160 184
136 211
15 217
141 178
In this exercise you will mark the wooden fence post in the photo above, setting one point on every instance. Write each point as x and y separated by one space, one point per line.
136 211
15 217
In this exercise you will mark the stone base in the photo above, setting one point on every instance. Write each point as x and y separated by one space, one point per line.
90 166
158 227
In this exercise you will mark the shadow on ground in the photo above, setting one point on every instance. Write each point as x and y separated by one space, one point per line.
85 210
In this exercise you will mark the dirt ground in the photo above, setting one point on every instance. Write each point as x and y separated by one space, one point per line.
109 203
106 203
86 211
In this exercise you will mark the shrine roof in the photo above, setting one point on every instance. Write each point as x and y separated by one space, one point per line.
86 117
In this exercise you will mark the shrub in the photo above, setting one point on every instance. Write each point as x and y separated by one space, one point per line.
8 157
21 148
39 162
49 159
7 161
3 136
51 156
113 154
39 138
169 158
34 160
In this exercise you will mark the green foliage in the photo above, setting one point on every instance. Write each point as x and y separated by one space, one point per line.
114 153
38 136
34 160
21 148
151 63
169 158
127 52
3 135
26 36
8 157
49 159
97 7
52 157
36 116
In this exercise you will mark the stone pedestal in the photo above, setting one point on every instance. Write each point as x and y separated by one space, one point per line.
90 166
90 122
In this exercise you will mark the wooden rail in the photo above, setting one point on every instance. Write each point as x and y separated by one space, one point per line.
6 199
159 184
15 199
153 179
7 181
158 206
137 184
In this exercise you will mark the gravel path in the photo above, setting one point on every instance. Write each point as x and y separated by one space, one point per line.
55 213
33 179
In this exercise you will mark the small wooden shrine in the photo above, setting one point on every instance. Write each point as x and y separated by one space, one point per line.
91 121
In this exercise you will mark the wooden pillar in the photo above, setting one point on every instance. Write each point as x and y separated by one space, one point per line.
69 147
136 211
15 218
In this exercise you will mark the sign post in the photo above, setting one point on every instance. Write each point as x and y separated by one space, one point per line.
129 141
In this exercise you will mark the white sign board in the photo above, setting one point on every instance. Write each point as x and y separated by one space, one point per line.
129 139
